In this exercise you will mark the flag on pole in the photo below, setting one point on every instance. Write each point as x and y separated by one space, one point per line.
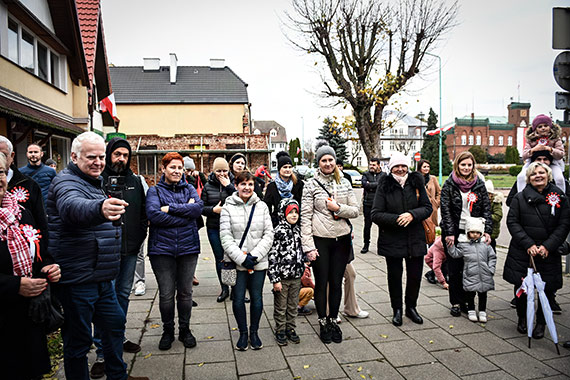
437 131
108 105
298 150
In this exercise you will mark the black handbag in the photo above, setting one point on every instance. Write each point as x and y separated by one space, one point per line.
47 311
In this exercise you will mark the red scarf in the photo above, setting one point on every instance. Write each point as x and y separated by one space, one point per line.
10 214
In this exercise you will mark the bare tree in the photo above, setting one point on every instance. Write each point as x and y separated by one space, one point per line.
371 49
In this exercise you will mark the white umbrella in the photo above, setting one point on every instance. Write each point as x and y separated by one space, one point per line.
546 310
527 287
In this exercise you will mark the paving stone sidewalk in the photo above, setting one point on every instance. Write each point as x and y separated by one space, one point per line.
442 348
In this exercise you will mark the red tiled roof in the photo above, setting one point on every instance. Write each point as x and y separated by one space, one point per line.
88 12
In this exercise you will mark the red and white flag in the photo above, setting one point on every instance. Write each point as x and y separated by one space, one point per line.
298 150
108 105
437 131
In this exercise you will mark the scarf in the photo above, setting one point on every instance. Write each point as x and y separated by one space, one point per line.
401 180
284 187
10 232
464 185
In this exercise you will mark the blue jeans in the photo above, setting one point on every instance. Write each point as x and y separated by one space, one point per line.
123 286
216 244
174 275
84 304
254 283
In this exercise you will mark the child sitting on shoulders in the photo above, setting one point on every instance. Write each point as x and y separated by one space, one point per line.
478 268
286 267
543 135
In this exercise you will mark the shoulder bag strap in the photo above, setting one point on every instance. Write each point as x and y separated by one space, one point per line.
330 196
247 227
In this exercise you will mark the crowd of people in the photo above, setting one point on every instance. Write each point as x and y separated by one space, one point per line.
75 240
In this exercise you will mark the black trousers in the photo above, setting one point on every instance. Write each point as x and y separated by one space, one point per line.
367 210
455 271
471 300
414 266
521 305
329 269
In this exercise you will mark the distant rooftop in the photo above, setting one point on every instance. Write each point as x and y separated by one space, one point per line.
194 85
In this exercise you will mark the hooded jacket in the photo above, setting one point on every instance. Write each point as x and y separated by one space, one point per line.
316 218
479 262
273 198
286 258
135 223
554 141
213 194
174 233
390 201
42 174
527 228
233 221
82 241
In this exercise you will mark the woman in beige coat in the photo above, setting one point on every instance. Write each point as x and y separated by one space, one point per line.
327 204
432 187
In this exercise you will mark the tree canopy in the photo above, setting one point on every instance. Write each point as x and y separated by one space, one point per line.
371 48
330 134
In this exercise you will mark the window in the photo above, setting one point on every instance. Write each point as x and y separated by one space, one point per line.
392 145
27 51
500 141
478 139
358 161
470 139
42 62
146 164
463 139
13 41
491 140
510 141
273 133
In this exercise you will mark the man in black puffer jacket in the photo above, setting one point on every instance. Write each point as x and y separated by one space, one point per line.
134 229
86 245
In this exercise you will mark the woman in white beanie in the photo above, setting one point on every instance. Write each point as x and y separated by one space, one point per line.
327 203
400 205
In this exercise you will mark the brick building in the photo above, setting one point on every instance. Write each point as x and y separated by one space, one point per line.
494 133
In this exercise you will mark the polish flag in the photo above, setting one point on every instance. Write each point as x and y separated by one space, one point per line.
108 105
298 150
437 131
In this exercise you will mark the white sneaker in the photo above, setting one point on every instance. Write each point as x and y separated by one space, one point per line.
472 315
482 317
140 289
363 314
338 320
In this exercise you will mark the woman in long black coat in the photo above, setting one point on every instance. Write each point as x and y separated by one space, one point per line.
539 221
400 205
463 194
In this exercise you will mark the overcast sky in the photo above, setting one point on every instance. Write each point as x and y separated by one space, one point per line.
498 46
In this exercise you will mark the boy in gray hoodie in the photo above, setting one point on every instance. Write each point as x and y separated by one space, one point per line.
478 268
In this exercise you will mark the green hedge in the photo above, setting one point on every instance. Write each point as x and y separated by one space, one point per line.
515 170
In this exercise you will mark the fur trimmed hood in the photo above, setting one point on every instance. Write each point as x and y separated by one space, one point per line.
555 133
389 183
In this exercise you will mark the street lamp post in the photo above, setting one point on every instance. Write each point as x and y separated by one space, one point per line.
440 125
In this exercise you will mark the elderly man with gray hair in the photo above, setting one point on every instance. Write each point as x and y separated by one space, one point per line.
87 245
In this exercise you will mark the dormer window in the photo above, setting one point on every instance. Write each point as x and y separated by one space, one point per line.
256 132
273 133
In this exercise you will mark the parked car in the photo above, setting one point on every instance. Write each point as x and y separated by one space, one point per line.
303 172
356 177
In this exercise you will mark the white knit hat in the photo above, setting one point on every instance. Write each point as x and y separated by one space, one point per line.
474 225
398 159
489 186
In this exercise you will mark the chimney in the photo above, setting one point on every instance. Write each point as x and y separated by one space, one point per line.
173 68
217 63
151 64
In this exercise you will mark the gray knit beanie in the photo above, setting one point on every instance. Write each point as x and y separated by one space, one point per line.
324 150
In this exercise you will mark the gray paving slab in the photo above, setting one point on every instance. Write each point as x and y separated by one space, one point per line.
354 350
159 367
309 345
257 361
218 371
273 375
319 366
375 369
210 352
435 339
464 361
404 353
495 375
561 364
486 343
522 365
458 325
382 333
428 371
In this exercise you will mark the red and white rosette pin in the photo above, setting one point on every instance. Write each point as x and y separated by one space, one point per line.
471 199
33 236
543 141
553 200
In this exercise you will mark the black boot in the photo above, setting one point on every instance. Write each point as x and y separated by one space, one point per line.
186 337
336 332
412 313
430 277
166 339
254 340
521 325
397 319
241 344
365 248
325 333
223 295
538 331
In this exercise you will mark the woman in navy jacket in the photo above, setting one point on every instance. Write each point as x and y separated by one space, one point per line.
172 207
